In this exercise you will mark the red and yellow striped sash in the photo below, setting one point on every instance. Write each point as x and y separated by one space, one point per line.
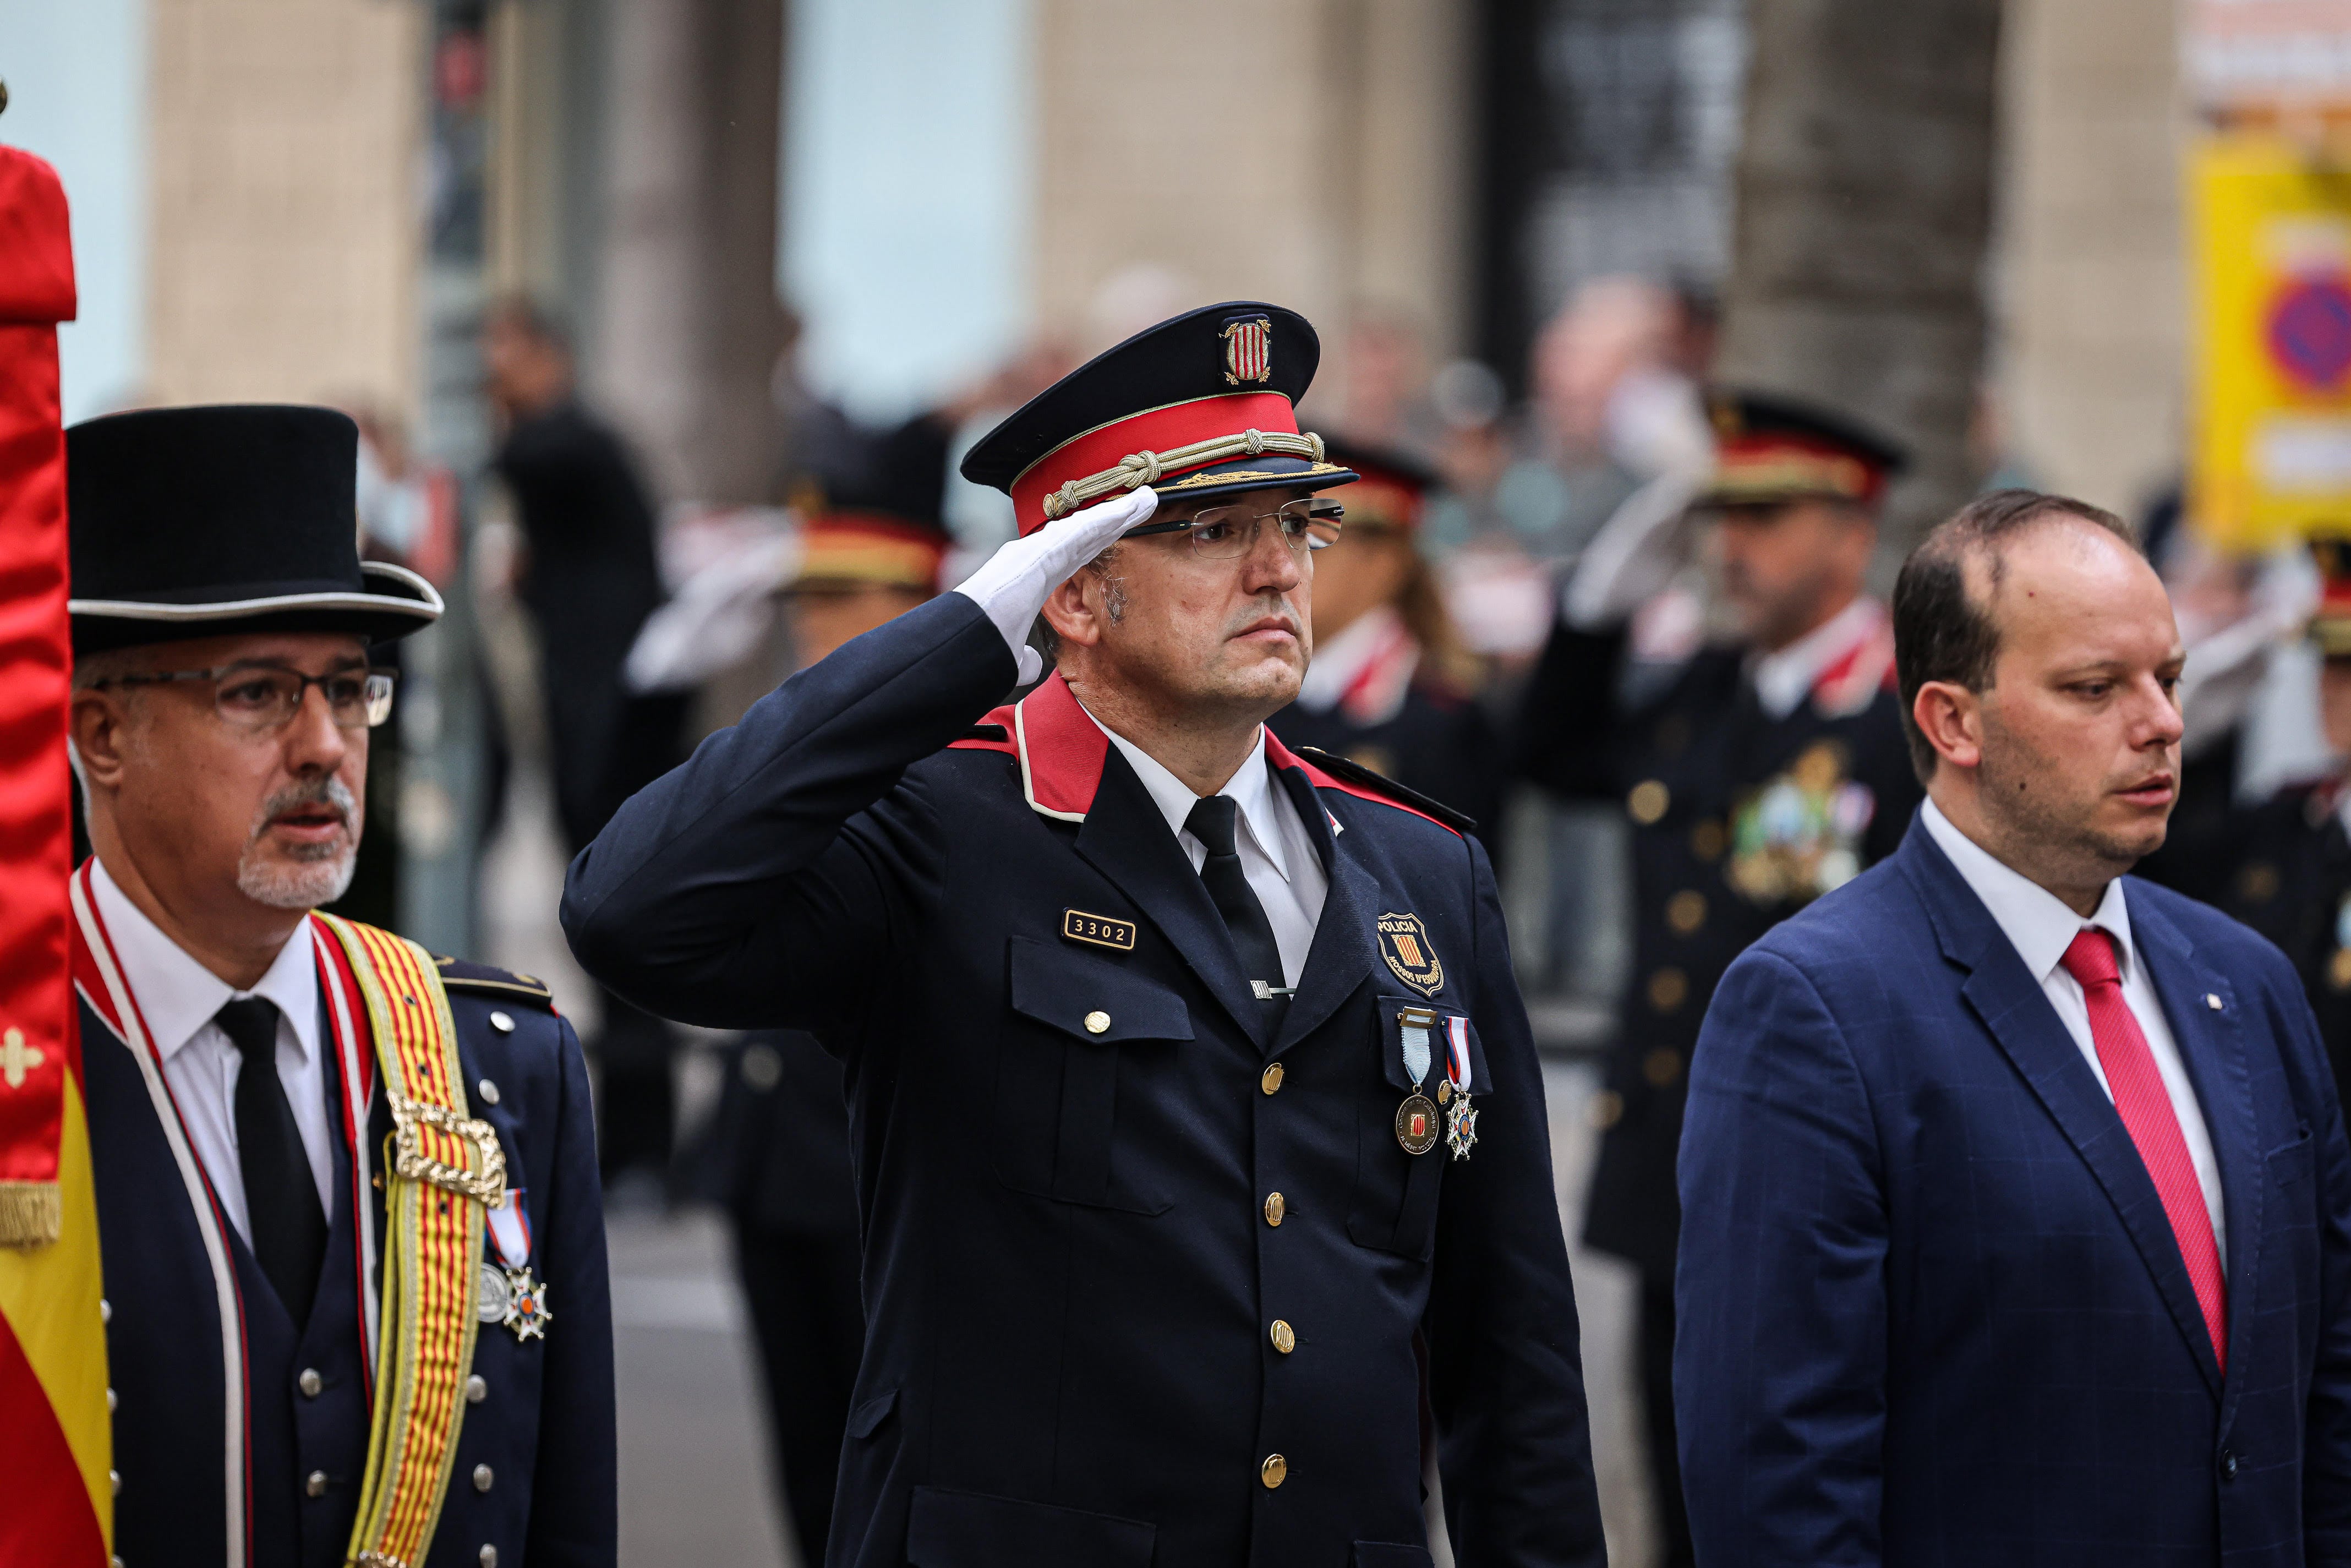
447 1172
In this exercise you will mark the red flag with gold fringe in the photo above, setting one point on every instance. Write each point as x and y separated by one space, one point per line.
54 1441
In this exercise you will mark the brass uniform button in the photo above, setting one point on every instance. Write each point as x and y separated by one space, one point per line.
1096 1022
1285 1338
503 1022
1662 1066
483 1477
1607 1109
489 1556
309 1383
114 1482
488 1091
1668 989
105 1311
1271 1079
1708 841
477 1389
1444 1093
1274 1472
109 1401
317 1484
2338 969
1647 801
1686 911
1274 1210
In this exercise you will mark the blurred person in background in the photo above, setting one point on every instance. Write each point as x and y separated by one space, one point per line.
1757 773
2283 864
589 576
1390 685
778 1157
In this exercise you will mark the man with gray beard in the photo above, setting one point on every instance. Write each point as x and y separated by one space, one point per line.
349 1219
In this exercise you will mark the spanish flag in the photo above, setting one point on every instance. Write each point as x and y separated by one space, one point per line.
56 1448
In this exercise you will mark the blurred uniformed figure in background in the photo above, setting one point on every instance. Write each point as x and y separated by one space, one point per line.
1168 1049
2284 866
1758 770
778 1151
1390 686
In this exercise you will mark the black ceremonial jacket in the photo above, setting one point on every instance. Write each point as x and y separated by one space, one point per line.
1738 820
1068 1150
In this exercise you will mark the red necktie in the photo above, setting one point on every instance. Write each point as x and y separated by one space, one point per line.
2146 1111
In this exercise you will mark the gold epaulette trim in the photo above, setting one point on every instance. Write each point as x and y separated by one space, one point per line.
1139 468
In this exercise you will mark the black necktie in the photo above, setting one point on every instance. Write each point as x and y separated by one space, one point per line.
1211 822
281 1200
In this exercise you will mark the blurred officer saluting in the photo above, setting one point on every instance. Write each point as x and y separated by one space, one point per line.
779 1143
1386 688
1758 771
1167 1051
2284 866
347 1193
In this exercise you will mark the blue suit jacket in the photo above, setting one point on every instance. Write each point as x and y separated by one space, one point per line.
1931 1310
1066 1137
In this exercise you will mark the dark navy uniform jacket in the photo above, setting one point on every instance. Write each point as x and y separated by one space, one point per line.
217 1432
1067 1152
1737 819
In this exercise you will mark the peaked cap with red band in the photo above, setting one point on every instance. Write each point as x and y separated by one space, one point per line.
1769 448
1391 488
877 520
1203 405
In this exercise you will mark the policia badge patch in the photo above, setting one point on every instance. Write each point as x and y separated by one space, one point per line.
1403 943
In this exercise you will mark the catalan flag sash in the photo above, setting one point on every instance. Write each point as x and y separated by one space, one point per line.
446 1173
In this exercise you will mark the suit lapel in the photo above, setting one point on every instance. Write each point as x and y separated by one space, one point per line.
2011 1003
1340 958
2211 1046
1124 837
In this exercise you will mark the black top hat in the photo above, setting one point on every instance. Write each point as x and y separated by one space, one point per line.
1202 404
197 522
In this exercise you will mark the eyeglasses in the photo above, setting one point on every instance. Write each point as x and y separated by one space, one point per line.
260 697
1229 533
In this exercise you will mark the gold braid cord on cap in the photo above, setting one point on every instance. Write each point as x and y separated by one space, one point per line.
1142 468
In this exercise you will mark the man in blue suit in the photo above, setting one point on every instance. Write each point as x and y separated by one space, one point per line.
2017 1201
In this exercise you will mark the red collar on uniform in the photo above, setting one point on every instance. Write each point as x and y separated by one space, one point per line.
1061 751
1851 680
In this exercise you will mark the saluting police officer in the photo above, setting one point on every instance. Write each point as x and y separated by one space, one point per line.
318 1153
1388 688
1757 772
1192 1102
2284 865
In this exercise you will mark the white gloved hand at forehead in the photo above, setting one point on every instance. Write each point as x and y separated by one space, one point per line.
1012 585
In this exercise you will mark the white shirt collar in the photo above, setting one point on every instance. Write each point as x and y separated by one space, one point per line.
1783 679
2038 923
1337 662
1251 787
177 996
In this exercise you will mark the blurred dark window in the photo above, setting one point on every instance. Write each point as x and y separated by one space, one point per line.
1610 130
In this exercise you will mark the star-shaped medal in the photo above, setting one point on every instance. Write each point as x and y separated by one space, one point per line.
527 1312
1460 1128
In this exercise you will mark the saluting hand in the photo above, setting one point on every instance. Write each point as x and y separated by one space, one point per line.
1012 585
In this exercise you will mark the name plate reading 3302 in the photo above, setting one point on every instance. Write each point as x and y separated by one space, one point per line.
1099 930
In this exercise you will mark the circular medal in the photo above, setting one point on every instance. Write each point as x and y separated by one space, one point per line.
1416 1124
493 1297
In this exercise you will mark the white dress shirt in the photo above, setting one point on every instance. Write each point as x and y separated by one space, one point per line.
2040 927
1278 855
177 997
1785 678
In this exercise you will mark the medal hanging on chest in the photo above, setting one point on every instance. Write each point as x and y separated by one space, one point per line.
1416 1118
509 1296
1460 1117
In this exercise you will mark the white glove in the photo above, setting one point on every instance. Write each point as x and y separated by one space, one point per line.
1633 556
1012 585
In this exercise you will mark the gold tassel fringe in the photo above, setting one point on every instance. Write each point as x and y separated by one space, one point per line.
30 1213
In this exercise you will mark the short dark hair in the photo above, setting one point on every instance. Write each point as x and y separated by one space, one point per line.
1940 633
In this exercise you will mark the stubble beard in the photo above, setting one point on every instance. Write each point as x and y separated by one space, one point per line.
2042 830
305 875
